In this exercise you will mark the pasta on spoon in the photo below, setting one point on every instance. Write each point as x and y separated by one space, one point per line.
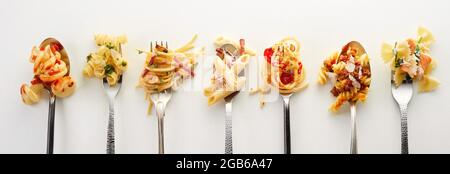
50 71
349 72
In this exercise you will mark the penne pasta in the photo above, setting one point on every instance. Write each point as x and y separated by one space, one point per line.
226 68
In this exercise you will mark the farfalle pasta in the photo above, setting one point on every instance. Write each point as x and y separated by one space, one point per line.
226 68
282 69
411 59
108 62
350 75
50 72
165 68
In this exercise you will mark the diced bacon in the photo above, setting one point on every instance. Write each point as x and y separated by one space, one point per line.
242 45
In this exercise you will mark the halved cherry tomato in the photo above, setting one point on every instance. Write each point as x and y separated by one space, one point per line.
286 78
268 55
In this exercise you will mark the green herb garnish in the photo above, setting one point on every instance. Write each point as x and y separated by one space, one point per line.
109 69
110 46
417 51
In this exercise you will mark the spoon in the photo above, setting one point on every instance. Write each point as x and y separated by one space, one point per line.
52 101
360 51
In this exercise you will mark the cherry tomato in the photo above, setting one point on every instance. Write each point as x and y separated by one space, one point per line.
268 55
286 78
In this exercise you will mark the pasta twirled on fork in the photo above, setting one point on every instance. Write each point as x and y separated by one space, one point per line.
165 68
282 69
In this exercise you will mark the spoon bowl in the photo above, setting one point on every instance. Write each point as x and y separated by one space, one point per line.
64 55
359 52
52 101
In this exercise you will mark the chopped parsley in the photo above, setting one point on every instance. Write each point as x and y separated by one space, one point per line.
417 51
124 63
109 69
110 46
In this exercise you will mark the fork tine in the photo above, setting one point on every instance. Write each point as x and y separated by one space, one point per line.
151 46
167 45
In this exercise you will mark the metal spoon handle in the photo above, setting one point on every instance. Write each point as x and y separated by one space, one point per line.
51 123
404 129
353 143
160 114
228 129
287 126
110 142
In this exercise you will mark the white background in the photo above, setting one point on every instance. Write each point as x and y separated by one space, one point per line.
193 127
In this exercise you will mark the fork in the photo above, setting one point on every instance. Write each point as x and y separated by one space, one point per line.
111 93
232 51
287 123
403 94
160 101
229 123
